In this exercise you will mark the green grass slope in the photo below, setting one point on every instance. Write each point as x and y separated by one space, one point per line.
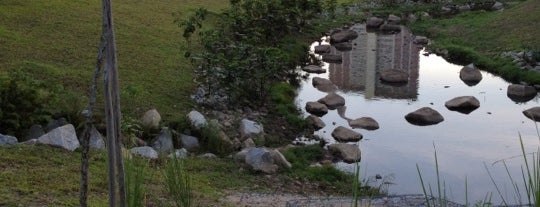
481 37
56 41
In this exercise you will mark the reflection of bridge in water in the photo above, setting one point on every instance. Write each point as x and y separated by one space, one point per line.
373 52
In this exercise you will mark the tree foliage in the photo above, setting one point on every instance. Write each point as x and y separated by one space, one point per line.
21 104
249 49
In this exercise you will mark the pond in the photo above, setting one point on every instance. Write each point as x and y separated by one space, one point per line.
465 143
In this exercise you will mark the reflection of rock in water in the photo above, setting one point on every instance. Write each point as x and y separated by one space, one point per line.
373 52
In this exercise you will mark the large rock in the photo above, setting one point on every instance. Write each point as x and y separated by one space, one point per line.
364 123
463 104
146 152
332 58
64 137
332 101
196 119
316 122
393 19
249 129
151 119
316 108
349 153
314 69
189 143
323 84
323 49
521 93
374 22
343 36
343 46
7 140
533 113
394 76
96 139
424 116
262 159
163 142
470 75
342 134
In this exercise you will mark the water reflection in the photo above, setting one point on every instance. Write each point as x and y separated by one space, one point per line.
464 141
373 52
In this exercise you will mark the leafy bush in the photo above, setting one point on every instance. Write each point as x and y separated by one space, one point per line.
247 50
22 104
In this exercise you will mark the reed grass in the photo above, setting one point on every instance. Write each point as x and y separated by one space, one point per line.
135 174
178 182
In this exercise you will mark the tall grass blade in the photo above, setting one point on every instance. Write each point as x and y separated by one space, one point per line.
514 184
496 186
423 186
135 173
356 184
178 182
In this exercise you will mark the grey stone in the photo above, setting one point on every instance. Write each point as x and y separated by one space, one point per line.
250 129
163 143
342 134
421 40
332 58
364 123
374 22
189 143
323 84
34 132
96 139
520 93
31 142
349 153
64 137
314 69
343 36
424 116
316 108
533 113
7 140
316 122
470 75
179 153
323 49
497 6
464 8
463 104
151 119
332 101
55 123
393 19
394 76
196 119
261 159
146 152
343 46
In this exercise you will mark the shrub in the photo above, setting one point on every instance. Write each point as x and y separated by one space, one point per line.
22 104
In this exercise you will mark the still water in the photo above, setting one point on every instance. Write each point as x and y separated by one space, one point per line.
464 142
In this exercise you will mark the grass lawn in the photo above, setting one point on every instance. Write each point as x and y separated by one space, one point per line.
483 36
56 41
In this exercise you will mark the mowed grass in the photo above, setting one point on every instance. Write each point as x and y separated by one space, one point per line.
56 41
46 176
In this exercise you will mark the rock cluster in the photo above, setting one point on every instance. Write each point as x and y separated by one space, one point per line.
526 60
